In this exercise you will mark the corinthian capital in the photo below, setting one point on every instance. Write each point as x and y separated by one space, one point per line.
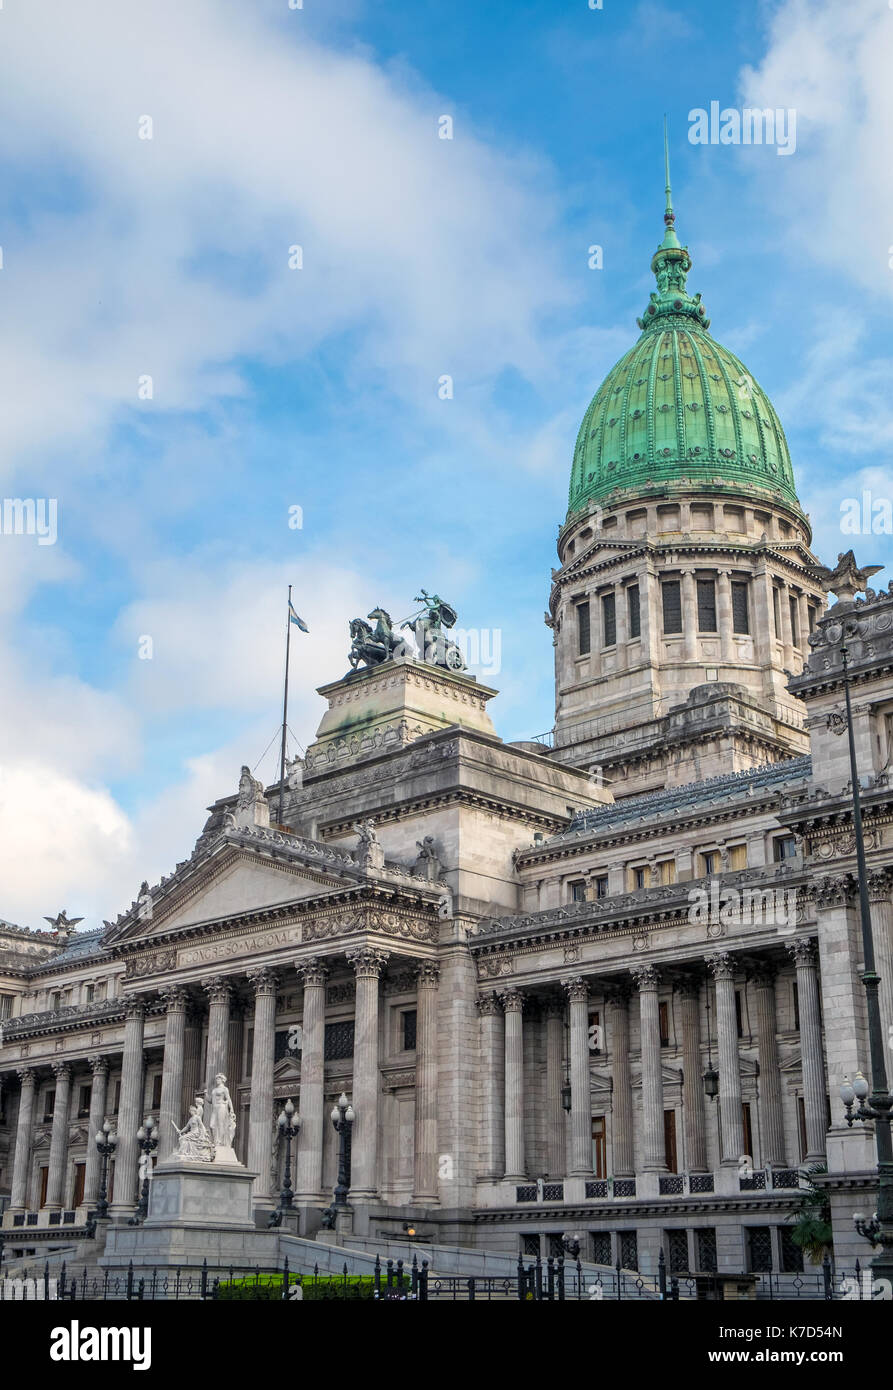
367 962
174 998
62 1071
263 980
313 971
218 989
880 885
99 1066
428 974
802 949
645 976
512 1000
576 989
722 966
25 1075
488 1005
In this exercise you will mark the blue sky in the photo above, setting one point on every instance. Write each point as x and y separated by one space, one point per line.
275 388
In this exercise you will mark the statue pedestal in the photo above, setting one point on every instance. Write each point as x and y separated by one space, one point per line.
215 1195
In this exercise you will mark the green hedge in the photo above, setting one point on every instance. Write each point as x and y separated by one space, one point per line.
268 1287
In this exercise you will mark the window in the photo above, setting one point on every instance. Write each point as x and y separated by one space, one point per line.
795 999
670 1141
56 1000
601 886
49 1106
5 1006
156 1091
601 1248
663 1014
609 620
80 1172
671 593
583 640
667 870
89 992
740 609
794 608
84 1095
409 1021
117 1104
738 856
599 1151
578 891
637 878
810 615
748 1130
784 847
628 1249
677 1251
706 605
738 1023
776 610
708 863
791 1254
339 1040
530 1245
635 616
705 1248
759 1249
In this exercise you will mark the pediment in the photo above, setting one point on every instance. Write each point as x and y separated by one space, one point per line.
288 1069
230 885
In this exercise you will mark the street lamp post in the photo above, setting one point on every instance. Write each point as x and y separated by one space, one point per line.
289 1128
147 1138
878 1229
343 1117
106 1143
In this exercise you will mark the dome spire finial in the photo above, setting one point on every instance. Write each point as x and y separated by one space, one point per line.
670 241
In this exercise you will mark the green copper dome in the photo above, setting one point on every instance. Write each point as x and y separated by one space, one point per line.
678 408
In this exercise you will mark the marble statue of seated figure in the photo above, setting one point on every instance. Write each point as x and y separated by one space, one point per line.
195 1143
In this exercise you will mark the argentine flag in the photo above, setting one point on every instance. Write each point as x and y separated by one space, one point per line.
293 618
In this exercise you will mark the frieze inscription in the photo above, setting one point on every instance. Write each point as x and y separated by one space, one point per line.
239 946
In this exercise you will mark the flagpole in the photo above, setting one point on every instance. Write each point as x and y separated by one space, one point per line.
284 704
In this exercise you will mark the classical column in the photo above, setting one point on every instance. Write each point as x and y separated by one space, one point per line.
59 1137
130 1115
556 1126
880 882
731 1119
622 1148
689 620
803 604
815 1102
99 1066
260 1117
219 991
235 1043
724 615
577 991
425 1166
169 1111
368 964
688 987
786 629
653 1149
192 1060
493 1085
771 1116
22 1159
308 1179
513 1004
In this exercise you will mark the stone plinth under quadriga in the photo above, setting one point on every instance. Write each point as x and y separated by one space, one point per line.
201 1194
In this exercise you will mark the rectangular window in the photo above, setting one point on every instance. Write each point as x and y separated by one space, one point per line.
44 1179
794 608
628 1249
56 1001
601 1248
599 1151
84 1101
759 1249
583 640
409 1019
80 1172
795 998
738 857
663 1013
748 1130
670 1141
810 613
740 609
672 600
601 886
156 1091
706 605
635 616
705 1247
5 1006
668 871
609 620
637 879
49 1106
677 1251
784 847
738 1022
578 891
708 863
339 1040
117 1104
776 610
791 1254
